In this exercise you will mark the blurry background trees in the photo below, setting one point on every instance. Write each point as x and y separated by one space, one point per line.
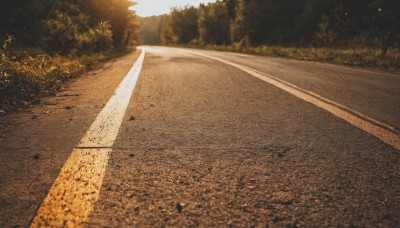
150 33
68 27
318 23
182 24
47 42
213 24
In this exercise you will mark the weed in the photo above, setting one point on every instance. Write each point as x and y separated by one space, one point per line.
29 77
364 57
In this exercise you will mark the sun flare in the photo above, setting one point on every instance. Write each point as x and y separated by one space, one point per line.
145 8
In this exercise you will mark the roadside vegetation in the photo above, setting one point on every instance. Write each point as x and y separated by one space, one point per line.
362 57
362 33
48 42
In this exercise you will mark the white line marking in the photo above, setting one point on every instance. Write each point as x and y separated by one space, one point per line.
72 197
104 129
384 132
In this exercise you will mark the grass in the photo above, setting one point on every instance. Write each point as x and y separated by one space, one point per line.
31 77
363 57
25 79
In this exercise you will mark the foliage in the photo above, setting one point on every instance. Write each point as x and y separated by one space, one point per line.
183 25
60 27
359 32
22 19
150 29
213 24
56 40
63 30
124 24
338 24
96 39
30 77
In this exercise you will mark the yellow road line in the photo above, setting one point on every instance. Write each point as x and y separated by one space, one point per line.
384 132
72 197
76 189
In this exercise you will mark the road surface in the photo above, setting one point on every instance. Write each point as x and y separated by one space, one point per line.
206 139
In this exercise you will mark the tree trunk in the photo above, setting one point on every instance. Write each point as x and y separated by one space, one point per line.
387 38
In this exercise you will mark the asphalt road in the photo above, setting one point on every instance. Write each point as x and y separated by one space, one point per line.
203 143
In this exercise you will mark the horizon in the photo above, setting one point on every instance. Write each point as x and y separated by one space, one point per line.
145 8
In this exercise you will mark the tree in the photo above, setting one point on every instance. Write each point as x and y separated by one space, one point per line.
307 23
123 21
385 21
182 25
328 23
151 28
23 18
213 24
32 21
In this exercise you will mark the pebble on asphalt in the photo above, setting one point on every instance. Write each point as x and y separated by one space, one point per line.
179 207
36 156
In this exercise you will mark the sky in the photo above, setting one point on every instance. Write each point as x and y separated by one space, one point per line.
145 8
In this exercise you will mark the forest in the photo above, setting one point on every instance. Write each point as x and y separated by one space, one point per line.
47 42
355 32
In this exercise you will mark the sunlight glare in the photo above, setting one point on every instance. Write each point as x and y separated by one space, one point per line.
145 8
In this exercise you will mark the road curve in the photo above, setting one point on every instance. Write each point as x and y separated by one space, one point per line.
204 143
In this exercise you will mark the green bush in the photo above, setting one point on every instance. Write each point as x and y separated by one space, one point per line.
63 33
97 39
71 35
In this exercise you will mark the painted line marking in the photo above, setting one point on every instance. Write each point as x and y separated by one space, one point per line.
384 132
71 198
104 130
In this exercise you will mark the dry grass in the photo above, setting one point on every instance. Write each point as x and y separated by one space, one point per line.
354 57
363 57
31 77
25 79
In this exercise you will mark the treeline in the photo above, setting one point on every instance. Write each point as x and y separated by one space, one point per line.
65 27
46 42
151 29
317 23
